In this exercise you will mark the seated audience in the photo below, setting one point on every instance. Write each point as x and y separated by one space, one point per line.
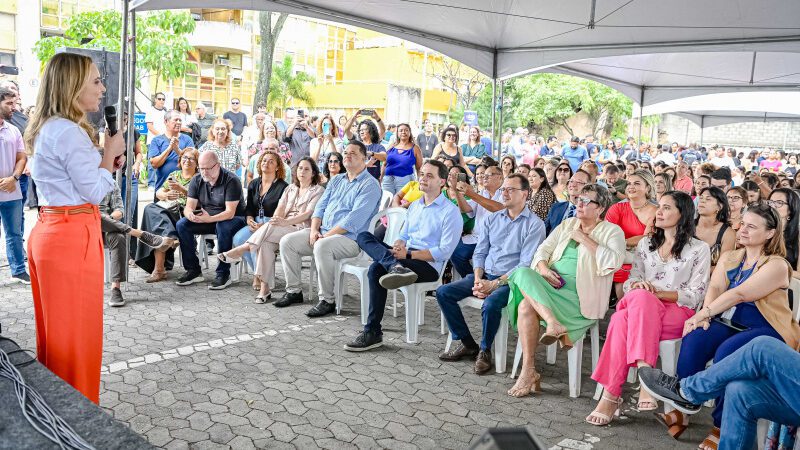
293 213
523 169
427 238
223 143
758 382
668 280
721 178
161 217
508 239
787 203
541 198
346 206
615 183
752 279
563 176
214 205
333 166
268 145
263 195
115 233
737 197
563 210
568 285
165 150
712 223
635 217
663 183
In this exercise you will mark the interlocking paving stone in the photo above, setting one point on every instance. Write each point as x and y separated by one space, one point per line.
191 368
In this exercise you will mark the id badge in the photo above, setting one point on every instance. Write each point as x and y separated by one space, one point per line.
261 213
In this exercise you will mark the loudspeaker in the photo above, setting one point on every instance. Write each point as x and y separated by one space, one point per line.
507 439
108 65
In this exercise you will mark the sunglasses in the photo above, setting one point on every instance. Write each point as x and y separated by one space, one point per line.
234 103
586 200
334 161
563 169
449 135
160 98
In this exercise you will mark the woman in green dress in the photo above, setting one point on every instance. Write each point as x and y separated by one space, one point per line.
569 282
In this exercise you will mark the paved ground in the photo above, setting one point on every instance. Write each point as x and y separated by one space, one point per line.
193 368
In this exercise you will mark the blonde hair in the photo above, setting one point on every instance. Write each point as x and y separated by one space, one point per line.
228 125
62 84
648 179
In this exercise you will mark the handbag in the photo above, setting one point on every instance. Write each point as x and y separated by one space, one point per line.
173 208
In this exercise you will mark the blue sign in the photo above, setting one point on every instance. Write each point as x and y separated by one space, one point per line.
471 117
139 123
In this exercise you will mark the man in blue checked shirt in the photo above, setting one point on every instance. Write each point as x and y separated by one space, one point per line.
508 240
343 212
427 239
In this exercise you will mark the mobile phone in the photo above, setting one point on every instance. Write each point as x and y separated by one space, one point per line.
197 212
301 113
730 324
9 70
462 177
367 112
170 179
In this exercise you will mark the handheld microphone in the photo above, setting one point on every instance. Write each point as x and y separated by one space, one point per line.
111 120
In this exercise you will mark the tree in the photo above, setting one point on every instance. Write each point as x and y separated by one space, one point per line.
466 83
287 85
269 37
161 43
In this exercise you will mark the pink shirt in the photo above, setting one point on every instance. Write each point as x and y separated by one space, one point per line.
10 144
773 165
684 185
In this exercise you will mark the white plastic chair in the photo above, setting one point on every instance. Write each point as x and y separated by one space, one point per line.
794 287
574 358
500 340
386 200
106 265
202 251
359 265
415 306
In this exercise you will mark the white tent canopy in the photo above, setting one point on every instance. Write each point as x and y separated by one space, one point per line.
505 38
723 109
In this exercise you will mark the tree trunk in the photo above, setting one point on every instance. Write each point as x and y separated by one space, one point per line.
269 37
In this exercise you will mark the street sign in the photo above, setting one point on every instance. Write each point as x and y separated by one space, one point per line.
139 123
471 117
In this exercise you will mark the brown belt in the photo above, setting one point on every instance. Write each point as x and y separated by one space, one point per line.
68 210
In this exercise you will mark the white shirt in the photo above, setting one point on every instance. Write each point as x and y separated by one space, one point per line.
724 161
67 171
480 214
667 157
156 117
688 275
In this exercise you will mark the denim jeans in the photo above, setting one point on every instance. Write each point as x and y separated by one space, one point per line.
23 186
448 297
462 257
224 230
393 183
11 215
759 381
384 261
242 236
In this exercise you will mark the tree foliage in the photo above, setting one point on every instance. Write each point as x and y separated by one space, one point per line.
161 42
286 85
269 34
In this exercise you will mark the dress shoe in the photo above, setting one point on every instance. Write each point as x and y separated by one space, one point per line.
289 298
483 364
458 352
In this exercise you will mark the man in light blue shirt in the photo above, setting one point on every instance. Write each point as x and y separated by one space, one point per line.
427 239
574 153
343 212
508 240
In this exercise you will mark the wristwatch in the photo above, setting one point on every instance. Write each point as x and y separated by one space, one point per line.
502 281
16 177
408 254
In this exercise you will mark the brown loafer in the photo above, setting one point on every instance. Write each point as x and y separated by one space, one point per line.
458 352
155 277
483 364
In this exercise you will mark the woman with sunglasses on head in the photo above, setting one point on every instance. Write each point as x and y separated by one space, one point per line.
541 197
668 280
449 147
333 166
737 197
568 282
754 280
787 203
712 222
65 248
563 174
508 164
160 218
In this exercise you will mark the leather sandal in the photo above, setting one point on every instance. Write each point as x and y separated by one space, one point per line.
675 421
534 387
155 277
605 419
711 441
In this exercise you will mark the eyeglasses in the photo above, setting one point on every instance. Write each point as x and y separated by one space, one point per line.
574 181
186 158
776 203
563 169
586 200
160 98
334 161
734 198
205 169
234 103
503 190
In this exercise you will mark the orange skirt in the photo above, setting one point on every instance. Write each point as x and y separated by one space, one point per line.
65 254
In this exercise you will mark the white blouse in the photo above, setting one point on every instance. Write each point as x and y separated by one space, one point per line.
66 168
688 275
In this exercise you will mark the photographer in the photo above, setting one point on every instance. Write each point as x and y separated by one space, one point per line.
370 133
298 136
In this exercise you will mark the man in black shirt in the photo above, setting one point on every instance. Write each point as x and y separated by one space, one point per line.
214 205
237 117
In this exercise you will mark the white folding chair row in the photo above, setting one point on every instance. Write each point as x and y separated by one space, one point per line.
202 253
386 200
574 358
500 340
106 265
359 265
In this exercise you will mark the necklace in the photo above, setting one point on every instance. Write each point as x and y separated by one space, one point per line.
740 272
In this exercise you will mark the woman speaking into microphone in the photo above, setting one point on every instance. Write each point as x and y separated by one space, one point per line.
65 248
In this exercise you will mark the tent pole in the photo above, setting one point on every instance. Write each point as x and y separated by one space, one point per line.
500 124
122 88
495 141
122 64
702 128
641 109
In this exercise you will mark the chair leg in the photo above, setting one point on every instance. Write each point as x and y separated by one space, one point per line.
574 362
394 303
421 305
203 252
501 344
412 309
337 291
517 359
448 343
443 324
364 289
594 334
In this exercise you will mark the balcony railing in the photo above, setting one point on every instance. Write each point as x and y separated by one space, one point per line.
222 36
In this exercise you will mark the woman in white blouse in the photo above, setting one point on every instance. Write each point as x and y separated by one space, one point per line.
65 248
668 280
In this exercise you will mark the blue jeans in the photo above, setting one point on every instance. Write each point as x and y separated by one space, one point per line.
242 236
224 230
23 186
719 341
448 297
384 261
11 216
461 258
393 183
759 381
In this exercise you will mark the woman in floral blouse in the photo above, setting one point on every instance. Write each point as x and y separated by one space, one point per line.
541 197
